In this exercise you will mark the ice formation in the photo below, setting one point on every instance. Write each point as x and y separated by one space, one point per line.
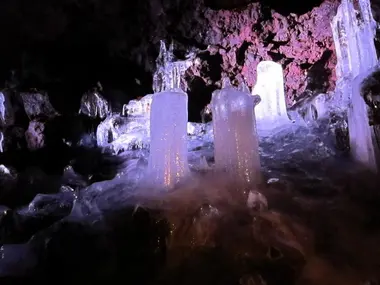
168 138
122 133
354 32
235 139
94 105
271 112
138 107
168 162
1 142
363 149
2 107
7 117
169 73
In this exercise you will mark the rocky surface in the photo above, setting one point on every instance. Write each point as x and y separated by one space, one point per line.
67 46
302 44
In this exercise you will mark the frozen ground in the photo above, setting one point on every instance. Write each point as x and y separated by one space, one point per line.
321 225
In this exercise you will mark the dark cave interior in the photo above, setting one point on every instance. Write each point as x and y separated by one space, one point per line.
68 212
66 47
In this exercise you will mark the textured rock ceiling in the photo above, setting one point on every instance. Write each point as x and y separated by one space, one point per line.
65 46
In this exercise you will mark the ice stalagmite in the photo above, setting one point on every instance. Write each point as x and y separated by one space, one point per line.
271 112
168 123
168 134
354 33
361 144
235 138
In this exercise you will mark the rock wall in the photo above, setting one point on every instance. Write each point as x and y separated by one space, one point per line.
303 45
77 43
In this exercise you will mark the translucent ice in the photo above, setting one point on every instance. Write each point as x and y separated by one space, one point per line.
169 72
2 107
354 33
1 142
168 134
271 112
122 133
363 148
7 116
235 137
94 105
138 107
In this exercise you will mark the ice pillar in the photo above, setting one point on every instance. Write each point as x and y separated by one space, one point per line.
168 123
354 33
168 134
235 139
361 133
271 112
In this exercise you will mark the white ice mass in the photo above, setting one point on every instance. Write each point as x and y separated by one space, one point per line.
354 32
168 139
271 112
168 162
236 143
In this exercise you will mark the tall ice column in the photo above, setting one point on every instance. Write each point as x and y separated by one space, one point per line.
354 33
168 163
235 139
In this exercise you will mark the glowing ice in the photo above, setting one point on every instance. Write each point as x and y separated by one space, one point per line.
1 142
2 107
168 122
362 147
168 133
94 105
271 112
138 107
235 138
169 73
354 32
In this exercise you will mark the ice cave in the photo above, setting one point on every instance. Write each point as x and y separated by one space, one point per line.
190 142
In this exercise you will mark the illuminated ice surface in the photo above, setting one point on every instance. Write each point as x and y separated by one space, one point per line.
94 105
7 117
271 112
361 139
169 72
354 33
235 137
138 107
168 139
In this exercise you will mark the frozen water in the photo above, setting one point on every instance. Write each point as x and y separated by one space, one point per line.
94 105
168 139
169 73
7 117
1 142
235 137
354 33
363 148
2 107
122 133
138 107
271 112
